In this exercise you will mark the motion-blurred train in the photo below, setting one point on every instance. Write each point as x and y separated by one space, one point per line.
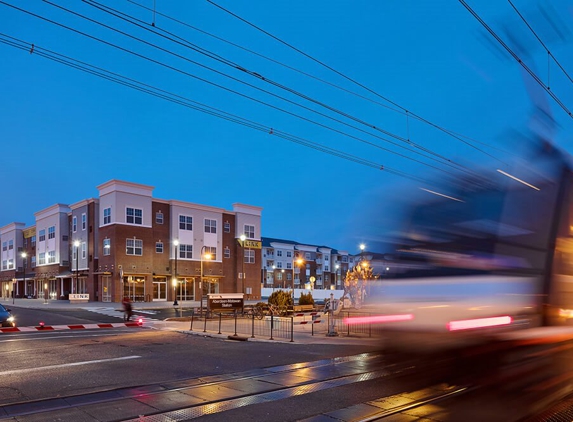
493 256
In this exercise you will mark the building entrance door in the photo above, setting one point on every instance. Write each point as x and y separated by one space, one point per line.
106 289
159 289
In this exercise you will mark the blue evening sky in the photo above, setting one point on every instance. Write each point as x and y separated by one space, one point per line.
64 131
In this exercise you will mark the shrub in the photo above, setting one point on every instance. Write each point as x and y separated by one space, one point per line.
306 299
281 299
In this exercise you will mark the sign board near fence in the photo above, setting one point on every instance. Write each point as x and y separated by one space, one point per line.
225 302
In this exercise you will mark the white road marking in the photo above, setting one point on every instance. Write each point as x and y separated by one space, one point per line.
64 365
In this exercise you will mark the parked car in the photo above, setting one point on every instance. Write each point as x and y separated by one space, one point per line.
6 317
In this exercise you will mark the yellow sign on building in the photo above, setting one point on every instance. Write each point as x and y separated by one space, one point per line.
253 244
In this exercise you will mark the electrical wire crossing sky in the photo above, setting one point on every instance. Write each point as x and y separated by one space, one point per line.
331 116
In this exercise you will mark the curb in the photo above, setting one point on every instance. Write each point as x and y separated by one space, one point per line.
69 327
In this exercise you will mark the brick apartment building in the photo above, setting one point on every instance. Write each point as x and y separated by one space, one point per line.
127 243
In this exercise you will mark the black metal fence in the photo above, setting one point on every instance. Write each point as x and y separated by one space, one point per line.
285 328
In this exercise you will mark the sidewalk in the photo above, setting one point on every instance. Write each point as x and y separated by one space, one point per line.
302 334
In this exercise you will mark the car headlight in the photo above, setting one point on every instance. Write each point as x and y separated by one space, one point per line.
11 319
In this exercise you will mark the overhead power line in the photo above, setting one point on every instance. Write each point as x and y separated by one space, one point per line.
517 58
549 53
354 81
186 102
204 80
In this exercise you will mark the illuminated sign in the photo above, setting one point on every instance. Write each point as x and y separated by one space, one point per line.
253 244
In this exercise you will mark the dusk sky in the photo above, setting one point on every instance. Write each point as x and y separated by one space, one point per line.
292 106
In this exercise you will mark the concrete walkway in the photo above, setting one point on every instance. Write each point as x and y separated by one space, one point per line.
302 334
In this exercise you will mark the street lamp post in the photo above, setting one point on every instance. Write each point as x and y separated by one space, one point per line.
23 266
45 293
207 256
295 263
176 244
77 246
336 281
243 238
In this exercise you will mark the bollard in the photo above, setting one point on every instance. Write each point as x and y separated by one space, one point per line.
220 316
292 329
192 314
253 326
272 322
332 305
235 323
205 326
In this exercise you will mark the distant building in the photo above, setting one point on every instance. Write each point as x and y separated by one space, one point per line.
288 264
127 243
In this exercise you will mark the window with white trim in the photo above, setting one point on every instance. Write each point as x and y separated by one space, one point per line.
84 221
249 231
279 276
5 264
249 256
33 241
10 263
4 246
33 261
51 232
106 246
134 247
186 251
74 224
227 227
185 222
42 237
211 250
279 253
289 254
41 258
227 252
134 216
210 226
51 257
159 217
107 215
158 247
84 250
279 264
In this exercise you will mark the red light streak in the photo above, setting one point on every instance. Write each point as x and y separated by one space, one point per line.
378 318
469 324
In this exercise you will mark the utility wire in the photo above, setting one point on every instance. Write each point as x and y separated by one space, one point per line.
294 69
541 42
210 82
414 115
517 58
177 99
144 25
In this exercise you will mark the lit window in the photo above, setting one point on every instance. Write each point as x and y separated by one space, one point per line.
211 251
106 246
